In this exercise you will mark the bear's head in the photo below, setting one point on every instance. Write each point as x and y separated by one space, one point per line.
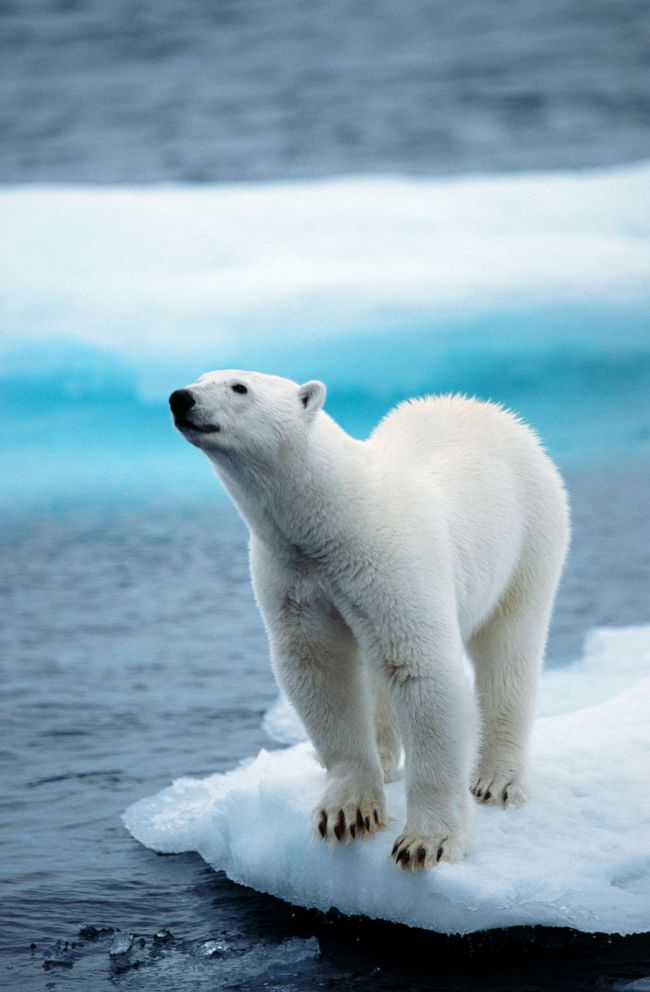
246 415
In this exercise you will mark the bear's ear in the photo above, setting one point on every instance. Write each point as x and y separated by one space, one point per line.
312 395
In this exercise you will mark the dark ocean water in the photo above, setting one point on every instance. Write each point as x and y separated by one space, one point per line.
133 654
126 91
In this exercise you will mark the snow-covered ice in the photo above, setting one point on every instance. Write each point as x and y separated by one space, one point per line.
181 277
578 854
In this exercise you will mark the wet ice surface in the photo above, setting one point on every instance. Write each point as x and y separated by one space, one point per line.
133 655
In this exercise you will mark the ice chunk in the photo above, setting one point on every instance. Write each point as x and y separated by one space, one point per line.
282 723
163 936
576 855
213 948
122 944
613 659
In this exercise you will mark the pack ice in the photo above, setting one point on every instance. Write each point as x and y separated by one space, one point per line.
577 855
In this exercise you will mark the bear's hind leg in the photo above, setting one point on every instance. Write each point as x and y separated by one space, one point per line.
388 742
507 654
319 666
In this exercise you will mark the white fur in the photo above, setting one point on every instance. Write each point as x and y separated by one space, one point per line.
375 565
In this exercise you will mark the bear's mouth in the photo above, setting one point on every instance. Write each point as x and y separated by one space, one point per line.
184 424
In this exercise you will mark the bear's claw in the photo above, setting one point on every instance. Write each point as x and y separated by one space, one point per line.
498 788
349 822
415 851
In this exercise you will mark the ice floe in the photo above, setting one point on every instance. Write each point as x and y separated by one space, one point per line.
576 855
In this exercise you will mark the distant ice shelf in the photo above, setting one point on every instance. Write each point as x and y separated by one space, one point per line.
171 280
576 855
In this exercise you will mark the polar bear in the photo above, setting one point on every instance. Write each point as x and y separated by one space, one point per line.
376 566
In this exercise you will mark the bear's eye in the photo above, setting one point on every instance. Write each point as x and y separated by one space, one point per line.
239 388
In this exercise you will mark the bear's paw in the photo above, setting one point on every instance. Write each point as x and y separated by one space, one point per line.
344 814
413 851
497 787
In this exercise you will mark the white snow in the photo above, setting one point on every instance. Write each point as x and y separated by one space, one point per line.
213 274
576 855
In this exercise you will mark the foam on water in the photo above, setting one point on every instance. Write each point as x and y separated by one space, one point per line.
576 855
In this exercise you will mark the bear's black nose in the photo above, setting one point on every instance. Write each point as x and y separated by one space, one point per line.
181 400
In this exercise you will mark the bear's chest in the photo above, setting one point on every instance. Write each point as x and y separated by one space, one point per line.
307 582
304 563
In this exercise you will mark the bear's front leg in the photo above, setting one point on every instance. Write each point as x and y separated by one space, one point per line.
320 669
435 712
352 805
317 662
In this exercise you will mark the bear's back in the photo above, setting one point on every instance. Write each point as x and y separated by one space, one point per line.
451 427
474 476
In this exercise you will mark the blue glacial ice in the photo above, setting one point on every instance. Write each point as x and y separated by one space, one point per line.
532 290
171 280
576 855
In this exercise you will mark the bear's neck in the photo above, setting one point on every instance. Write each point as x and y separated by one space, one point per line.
301 502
